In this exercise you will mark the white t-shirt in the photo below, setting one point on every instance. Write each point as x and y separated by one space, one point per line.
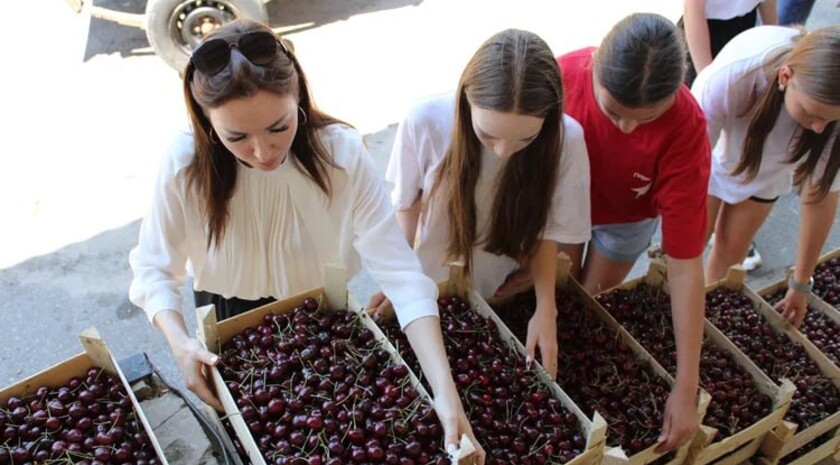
726 89
419 148
281 233
728 9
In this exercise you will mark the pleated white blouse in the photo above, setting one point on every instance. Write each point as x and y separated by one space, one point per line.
281 233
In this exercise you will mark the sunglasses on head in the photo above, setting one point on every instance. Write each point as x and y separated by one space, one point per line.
259 47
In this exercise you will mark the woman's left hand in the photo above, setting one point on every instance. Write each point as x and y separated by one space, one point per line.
453 419
379 305
793 307
542 332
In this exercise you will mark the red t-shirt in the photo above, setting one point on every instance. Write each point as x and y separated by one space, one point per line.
661 168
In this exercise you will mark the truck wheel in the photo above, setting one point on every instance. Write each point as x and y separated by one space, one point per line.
175 27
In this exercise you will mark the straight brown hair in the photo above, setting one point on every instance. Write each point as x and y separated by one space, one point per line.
641 61
213 171
512 72
814 59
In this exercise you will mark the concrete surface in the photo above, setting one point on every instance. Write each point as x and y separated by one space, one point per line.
89 109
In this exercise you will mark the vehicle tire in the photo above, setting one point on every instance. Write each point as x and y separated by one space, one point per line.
175 27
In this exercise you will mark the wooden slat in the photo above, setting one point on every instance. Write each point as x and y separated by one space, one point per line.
96 354
215 334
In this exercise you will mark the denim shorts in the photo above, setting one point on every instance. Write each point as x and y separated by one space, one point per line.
624 242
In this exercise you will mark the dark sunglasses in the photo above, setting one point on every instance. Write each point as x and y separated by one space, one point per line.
259 47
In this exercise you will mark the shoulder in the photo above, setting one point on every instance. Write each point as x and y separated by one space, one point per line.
435 113
685 111
575 157
179 154
345 144
575 60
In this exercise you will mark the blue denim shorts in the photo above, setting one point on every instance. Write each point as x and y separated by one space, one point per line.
624 242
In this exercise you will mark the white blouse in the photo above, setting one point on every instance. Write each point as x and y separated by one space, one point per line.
726 90
281 233
728 9
419 148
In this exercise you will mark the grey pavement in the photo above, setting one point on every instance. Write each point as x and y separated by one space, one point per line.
90 109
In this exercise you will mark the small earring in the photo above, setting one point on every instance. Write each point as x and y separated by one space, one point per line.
781 87
213 138
303 113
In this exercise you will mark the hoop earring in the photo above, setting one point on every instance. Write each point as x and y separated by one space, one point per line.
303 113
213 137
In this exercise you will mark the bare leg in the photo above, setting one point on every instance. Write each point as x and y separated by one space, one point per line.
601 273
734 231
713 208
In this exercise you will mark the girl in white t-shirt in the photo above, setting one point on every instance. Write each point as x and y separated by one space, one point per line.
263 194
496 176
772 100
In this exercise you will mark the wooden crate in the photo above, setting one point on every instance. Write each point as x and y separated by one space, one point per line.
739 447
333 296
616 455
786 438
595 429
813 301
96 354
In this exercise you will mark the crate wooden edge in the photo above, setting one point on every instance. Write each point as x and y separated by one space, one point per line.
565 281
772 445
814 301
703 449
829 448
828 256
96 354
333 294
595 428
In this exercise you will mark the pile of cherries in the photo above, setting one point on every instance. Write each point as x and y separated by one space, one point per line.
88 421
513 413
819 328
816 397
316 387
827 281
645 312
598 371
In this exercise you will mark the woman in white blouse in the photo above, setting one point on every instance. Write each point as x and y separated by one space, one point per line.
495 175
772 100
263 193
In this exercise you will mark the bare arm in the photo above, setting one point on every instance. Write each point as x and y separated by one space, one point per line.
768 12
687 308
426 339
697 33
817 218
408 220
542 329
190 355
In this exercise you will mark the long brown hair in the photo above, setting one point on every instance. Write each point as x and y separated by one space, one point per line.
213 171
641 61
814 59
512 72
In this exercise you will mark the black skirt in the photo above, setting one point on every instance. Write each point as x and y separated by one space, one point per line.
227 308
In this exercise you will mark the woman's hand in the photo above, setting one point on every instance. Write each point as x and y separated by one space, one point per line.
794 307
542 333
680 421
192 357
379 306
454 421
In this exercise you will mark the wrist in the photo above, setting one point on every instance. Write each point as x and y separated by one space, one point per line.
801 286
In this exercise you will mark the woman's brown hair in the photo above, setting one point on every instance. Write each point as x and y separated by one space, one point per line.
641 61
814 59
213 171
512 72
